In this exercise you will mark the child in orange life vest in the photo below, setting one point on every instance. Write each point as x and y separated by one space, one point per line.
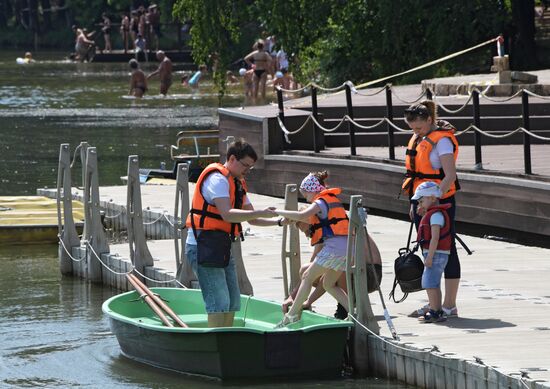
329 224
435 238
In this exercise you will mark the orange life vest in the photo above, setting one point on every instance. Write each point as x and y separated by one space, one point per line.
205 216
336 220
425 229
417 160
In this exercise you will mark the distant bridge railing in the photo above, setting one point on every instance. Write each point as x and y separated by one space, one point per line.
391 128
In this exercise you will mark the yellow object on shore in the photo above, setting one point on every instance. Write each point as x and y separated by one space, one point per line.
31 219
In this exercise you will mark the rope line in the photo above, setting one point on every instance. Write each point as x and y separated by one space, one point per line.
154 221
74 156
113 216
472 127
355 91
535 95
453 111
67 251
434 348
484 95
407 101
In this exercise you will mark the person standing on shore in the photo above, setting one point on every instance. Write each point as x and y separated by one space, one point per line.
125 31
262 60
219 206
431 156
164 71
106 29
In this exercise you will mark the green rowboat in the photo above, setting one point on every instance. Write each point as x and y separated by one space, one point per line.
252 348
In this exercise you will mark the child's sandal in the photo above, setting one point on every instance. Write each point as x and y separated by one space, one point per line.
287 320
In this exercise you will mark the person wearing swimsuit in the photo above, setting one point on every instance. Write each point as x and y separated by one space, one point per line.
262 60
138 81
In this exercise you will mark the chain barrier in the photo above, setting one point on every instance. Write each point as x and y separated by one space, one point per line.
426 351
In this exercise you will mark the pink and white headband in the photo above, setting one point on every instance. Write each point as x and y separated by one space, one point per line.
311 184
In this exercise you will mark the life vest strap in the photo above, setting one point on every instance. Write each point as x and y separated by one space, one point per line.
326 223
413 174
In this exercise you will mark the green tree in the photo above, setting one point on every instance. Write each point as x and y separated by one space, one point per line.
216 29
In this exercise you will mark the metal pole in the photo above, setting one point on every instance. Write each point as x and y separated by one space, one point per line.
351 127
429 94
389 115
526 137
477 135
281 113
315 113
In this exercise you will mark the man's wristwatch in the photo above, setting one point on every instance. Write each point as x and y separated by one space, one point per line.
280 222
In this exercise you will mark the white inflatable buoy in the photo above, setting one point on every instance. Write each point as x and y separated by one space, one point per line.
242 71
20 61
279 74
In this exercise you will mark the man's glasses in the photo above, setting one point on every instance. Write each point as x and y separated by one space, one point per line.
245 165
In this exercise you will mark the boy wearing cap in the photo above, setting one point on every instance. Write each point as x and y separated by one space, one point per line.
435 238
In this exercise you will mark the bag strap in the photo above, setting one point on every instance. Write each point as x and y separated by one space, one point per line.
392 293
410 235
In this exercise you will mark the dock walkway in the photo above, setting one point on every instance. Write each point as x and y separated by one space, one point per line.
504 302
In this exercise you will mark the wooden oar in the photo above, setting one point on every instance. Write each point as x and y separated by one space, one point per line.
149 301
159 302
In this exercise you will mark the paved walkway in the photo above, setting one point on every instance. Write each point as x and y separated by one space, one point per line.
504 301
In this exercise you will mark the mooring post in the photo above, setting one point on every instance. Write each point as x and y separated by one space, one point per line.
139 252
83 151
66 228
358 296
181 210
95 234
291 237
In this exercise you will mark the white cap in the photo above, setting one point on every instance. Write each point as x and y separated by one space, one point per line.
427 188
279 74
242 71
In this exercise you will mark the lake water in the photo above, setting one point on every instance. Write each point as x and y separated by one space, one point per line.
52 330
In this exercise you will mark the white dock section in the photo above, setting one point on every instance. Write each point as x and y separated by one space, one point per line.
504 299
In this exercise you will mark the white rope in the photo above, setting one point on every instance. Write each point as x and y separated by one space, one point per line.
343 120
287 132
364 127
356 91
161 282
448 110
519 129
154 221
113 216
535 95
74 156
395 127
67 251
104 265
335 89
294 90
390 342
501 100
406 101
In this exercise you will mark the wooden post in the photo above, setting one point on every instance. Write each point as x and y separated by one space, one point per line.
291 257
95 234
139 252
358 296
184 273
83 151
66 228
